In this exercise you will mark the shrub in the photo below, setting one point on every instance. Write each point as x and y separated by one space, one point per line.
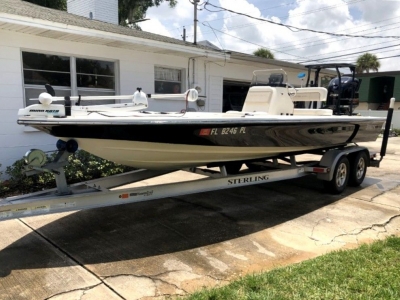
81 166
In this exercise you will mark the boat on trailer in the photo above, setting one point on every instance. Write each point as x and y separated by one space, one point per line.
268 126
268 135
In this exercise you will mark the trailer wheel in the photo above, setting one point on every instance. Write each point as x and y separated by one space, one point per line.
233 167
340 177
358 169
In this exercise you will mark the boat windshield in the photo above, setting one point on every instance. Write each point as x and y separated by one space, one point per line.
270 77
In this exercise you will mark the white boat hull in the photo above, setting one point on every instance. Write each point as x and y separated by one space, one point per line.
169 156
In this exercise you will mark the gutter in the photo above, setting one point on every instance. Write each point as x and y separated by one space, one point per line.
111 37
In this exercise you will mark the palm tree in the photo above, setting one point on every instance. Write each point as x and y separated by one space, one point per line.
263 52
367 62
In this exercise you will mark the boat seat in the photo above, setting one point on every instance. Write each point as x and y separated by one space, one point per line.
310 94
267 99
312 112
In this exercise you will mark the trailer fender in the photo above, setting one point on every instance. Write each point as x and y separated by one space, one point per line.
331 157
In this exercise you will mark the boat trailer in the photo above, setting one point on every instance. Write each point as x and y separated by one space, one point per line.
337 168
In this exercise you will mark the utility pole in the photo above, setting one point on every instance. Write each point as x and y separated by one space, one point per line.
195 20
184 34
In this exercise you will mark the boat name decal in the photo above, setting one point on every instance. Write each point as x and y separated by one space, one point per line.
146 193
222 131
45 110
248 179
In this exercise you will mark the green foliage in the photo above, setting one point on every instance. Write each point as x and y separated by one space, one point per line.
367 62
263 52
369 272
81 166
3 185
133 10
85 166
19 183
56 4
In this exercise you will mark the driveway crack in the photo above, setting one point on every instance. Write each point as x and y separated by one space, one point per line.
153 278
371 227
83 290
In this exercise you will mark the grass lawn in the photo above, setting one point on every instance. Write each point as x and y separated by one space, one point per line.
368 272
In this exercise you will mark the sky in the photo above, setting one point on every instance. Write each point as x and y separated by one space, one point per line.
230 31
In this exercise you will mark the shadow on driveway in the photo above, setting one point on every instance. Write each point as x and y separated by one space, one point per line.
158 227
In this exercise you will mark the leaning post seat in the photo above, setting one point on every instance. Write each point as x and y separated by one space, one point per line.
272 100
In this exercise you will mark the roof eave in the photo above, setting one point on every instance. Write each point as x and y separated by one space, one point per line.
105 38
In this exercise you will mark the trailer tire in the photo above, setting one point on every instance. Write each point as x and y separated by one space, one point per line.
358 168
340 178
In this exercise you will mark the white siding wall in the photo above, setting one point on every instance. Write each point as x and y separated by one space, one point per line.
215 94
136 70
102 10
382 113
81 7
106 10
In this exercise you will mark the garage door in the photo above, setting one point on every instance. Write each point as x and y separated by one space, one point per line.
234 94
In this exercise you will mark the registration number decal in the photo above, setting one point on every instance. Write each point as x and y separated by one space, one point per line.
222 131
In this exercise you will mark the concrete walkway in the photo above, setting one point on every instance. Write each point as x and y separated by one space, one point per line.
175 246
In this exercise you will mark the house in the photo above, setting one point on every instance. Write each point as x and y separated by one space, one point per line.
377 88
87 53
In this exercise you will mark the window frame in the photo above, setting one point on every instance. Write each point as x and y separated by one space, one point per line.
181 82
73 74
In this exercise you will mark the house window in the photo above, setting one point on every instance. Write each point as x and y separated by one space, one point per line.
94 73
40 69
95 78
90 77
168 81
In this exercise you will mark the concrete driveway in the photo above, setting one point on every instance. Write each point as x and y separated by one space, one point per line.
174 246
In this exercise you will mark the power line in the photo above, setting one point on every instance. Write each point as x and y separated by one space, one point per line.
354 56
389 56
293 28
250 42
334 39
350 53
285 16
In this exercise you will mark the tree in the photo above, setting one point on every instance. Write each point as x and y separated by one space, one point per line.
133 10
56 4
263 52
129 11
367 62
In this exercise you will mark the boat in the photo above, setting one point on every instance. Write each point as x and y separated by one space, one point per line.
268 126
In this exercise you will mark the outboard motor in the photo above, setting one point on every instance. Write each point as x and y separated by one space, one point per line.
346 93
